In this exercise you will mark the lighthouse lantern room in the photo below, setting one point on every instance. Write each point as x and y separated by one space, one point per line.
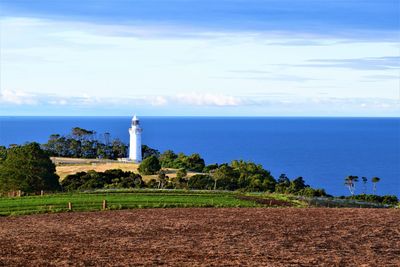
135 141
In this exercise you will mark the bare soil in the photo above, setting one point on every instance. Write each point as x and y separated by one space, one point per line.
204 237
267 201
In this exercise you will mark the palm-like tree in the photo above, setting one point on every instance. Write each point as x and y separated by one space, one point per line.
364 180
350 182
374 181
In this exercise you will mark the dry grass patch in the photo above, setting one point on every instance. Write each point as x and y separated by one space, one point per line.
64 170
67 166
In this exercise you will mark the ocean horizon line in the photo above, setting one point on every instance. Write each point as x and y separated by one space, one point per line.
197 116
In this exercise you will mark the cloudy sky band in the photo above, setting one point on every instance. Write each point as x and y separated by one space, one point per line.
183 55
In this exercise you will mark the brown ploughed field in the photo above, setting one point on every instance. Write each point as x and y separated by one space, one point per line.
204 237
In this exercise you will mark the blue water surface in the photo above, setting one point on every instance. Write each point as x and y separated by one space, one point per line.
322 150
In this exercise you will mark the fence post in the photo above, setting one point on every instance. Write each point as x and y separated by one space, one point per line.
19 193
104 204
69 206
41 192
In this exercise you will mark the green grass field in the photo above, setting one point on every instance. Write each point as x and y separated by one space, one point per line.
149 198
119 200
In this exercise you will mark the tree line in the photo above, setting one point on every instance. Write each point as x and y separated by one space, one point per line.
82 143
237 175
351 180
29 168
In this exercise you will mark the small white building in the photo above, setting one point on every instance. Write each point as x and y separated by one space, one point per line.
135 141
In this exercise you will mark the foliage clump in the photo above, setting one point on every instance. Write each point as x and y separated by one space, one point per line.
201 182
82 143
386 199
115 178
297 186
149 166
193 162
27 168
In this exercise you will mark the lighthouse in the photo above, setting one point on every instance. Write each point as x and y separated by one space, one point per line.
135 141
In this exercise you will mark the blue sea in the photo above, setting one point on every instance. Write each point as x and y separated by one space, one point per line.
322 150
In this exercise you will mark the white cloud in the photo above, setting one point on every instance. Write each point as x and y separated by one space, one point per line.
265 105
207 99
157 100
17 97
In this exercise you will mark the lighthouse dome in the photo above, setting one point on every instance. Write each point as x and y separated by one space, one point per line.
135 120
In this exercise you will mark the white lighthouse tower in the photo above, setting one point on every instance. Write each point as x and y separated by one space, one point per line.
135 144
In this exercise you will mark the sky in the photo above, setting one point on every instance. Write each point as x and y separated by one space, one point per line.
200 58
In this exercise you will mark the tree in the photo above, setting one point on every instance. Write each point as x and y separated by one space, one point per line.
181 173
209 168
283 184
131 181
150 165
51 145
297 185
82 143
162 179
180 181
283 179
253 177
119 149
225 178
167 159
82 134
194 163
201 181
3 153
350 181
374 181
148 151
364 180
28 168
114 178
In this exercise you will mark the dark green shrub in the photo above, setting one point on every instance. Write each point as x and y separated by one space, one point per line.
150 165
201 182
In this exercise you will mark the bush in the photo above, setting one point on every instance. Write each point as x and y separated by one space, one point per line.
387 199
150 165
181 173
132 181
3 153
311 192
210 167
193 162
177 183
167 159
153 183
148 151
391 200
201 182
95 180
